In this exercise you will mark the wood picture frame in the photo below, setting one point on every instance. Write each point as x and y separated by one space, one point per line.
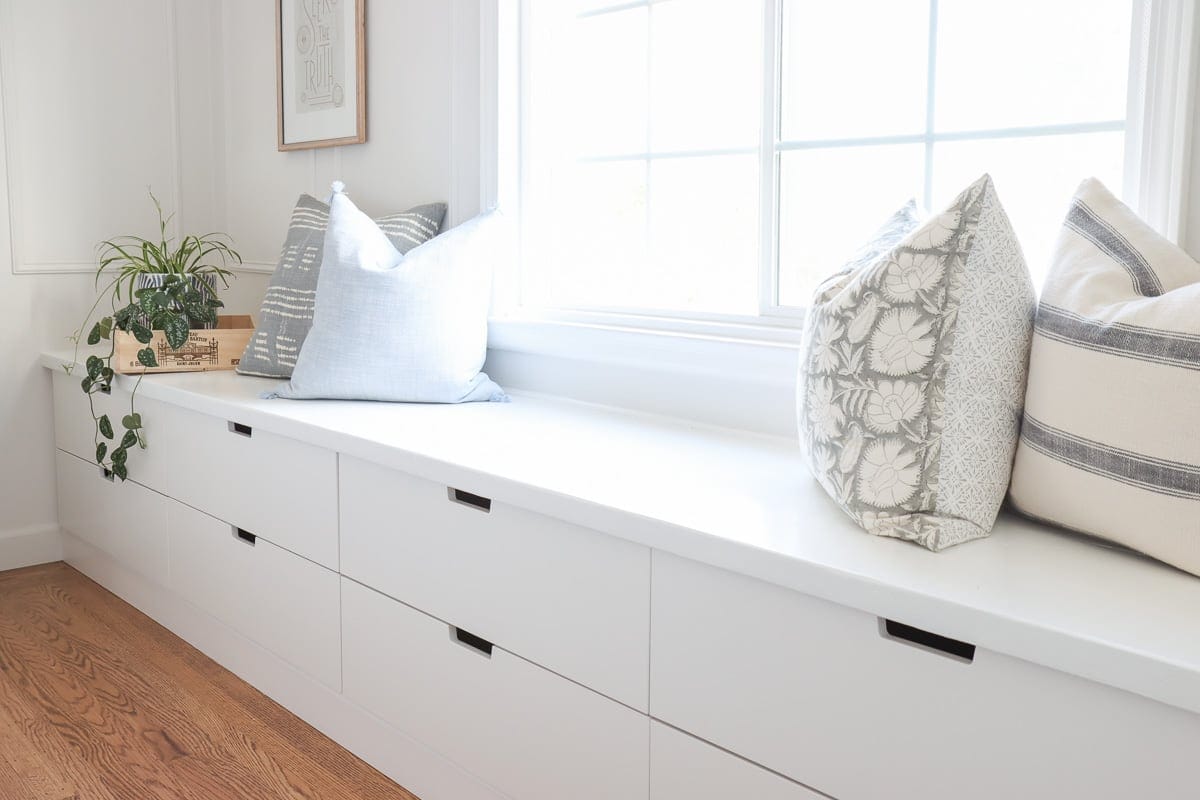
320 68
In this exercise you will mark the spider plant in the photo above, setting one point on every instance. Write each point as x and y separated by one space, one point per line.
126 258
176 295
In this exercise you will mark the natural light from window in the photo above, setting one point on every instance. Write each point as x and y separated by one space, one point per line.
649 187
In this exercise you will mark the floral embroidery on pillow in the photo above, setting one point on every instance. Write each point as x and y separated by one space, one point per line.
877 345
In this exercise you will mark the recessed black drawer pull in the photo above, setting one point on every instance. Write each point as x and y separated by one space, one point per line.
476 643
927 640
240 429
106 388
473 500
245 536
107 474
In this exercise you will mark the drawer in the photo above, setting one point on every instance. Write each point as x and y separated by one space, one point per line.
125 520
284 603
570 599
280 489
685 768
75 431
528 733
815 691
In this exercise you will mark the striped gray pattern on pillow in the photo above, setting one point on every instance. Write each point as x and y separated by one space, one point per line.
1110 443
286 314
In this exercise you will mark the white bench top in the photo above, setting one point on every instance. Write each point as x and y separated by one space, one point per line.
746 503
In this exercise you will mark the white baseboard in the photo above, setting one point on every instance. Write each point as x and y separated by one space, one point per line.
406 761
25 547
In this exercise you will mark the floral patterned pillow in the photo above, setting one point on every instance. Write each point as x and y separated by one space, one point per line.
912 374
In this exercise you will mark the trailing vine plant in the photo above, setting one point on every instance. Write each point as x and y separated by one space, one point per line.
182 299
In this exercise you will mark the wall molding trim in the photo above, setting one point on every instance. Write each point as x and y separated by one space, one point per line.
25 547
19 264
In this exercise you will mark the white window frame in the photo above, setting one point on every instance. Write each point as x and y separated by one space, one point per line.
762 350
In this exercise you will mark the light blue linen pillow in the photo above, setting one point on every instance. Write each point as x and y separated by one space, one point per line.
401 328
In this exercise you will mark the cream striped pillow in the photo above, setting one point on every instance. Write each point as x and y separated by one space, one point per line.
1111 438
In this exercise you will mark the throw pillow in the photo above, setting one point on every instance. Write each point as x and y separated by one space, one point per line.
286 313
399 327
1111 438
913 375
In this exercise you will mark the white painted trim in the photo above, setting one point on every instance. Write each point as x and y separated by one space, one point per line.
728 380
25 547
260 267
467 179
404 760
19 266
768 160
1159 134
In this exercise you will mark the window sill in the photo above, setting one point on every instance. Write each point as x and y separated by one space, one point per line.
738 376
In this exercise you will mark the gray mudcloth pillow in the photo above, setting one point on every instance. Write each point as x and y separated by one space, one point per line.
286 314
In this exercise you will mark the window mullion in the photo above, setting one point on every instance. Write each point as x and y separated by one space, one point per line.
930 96
768 274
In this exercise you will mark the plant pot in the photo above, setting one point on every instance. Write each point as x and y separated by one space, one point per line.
155 280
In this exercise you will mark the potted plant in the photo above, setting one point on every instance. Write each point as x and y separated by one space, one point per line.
152 286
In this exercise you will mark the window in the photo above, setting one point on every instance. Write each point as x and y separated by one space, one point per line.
714 159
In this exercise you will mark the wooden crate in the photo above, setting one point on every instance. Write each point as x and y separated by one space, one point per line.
211 349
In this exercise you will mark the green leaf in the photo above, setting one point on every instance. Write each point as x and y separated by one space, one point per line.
177 331
94 336
122 317
146 358
120 470
94 365
160 300
214 303
106 326
129 440
106 427
118 457
132 421
142 333
87 384
101 452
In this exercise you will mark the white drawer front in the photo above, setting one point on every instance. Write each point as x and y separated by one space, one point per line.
571 599
685 768
814 691
281 601
525 731
125 520
278 488
75 430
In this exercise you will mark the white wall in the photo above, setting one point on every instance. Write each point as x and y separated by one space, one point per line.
412 125
103 98
93 112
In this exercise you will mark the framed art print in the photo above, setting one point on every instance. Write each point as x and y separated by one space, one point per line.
320 60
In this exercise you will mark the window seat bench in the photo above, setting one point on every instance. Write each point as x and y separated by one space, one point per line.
654 608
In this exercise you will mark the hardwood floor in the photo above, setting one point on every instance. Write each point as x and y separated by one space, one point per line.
99 702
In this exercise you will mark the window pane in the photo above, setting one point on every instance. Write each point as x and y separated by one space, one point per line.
1031 62
854 69
593 240
589 80
830 201
1035 178
706 74
703 235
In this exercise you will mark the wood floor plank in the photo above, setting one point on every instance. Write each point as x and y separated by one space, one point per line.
324 763
101 702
